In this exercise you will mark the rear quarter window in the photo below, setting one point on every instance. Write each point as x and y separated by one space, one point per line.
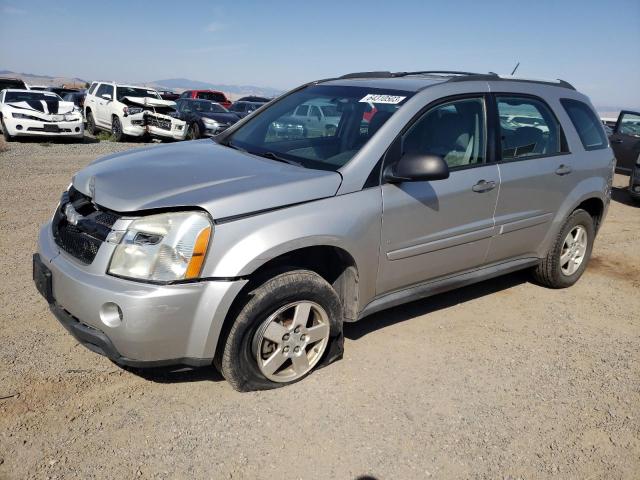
586 123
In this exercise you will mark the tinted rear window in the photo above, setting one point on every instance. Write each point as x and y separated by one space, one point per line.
586 123
213 96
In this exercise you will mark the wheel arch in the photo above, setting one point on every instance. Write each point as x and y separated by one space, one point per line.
589 195
332 263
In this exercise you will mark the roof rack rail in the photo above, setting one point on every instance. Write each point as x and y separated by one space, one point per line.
456 76
495 77
388 74
381 74
433 72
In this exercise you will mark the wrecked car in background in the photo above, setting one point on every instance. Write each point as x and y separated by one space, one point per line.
31 113
204 117
126 110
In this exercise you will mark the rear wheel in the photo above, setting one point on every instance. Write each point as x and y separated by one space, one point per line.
568 257
282 332
91 124
116 129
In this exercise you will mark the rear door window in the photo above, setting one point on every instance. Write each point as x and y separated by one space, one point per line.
528 128
586 123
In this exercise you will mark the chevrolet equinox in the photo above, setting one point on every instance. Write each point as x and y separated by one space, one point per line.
250 250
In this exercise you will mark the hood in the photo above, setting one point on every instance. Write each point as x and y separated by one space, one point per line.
150 102
221 116
44 106
223 181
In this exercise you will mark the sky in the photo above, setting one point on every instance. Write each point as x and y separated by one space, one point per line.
594 45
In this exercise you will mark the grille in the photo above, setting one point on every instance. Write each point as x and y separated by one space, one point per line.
159 122
83 240
77 243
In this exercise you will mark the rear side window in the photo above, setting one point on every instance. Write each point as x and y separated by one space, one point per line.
586 123
528 128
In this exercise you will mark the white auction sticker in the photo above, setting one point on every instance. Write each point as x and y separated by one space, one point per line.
373 98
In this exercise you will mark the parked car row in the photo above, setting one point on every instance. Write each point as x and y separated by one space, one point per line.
133 111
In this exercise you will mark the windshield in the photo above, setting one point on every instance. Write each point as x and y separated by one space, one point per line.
207 106
321 126
136 92
31 95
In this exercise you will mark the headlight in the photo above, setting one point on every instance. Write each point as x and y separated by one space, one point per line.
26 117
210 123
132 110
164 247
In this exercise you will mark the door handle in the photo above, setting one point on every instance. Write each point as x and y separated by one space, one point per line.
484 186
617 140
563 170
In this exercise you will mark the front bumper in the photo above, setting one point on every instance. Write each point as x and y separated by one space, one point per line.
25 128
137 125
159 324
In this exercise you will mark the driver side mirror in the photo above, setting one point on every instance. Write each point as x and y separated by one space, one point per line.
106 96
417 168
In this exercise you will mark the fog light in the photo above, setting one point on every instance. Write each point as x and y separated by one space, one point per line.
636 188
111 314
77 129
18 127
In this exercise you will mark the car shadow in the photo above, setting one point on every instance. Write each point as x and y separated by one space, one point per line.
353 331
178 374
621 195
386 318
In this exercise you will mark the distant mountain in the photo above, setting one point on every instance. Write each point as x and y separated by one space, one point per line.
48 80
234 90
179 84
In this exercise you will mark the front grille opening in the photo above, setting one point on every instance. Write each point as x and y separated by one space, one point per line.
82 241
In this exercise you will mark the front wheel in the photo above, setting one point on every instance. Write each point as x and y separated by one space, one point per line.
5 133
91 124
194 132
282 332
116 130
568 257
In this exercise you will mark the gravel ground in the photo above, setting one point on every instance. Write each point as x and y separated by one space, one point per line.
504 379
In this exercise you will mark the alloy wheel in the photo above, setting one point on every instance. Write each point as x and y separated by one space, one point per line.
291 341
573 251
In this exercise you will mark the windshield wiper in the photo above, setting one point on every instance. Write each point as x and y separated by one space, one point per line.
276 157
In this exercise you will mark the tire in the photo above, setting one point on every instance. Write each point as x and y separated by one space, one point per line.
268 313
116 129
7 136
194 131
553 271
91 124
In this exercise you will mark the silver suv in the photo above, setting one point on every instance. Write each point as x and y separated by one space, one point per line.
250 251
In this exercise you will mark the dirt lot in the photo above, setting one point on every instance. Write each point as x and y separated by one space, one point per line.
504 379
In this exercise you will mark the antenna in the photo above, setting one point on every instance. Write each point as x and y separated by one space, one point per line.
515 68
